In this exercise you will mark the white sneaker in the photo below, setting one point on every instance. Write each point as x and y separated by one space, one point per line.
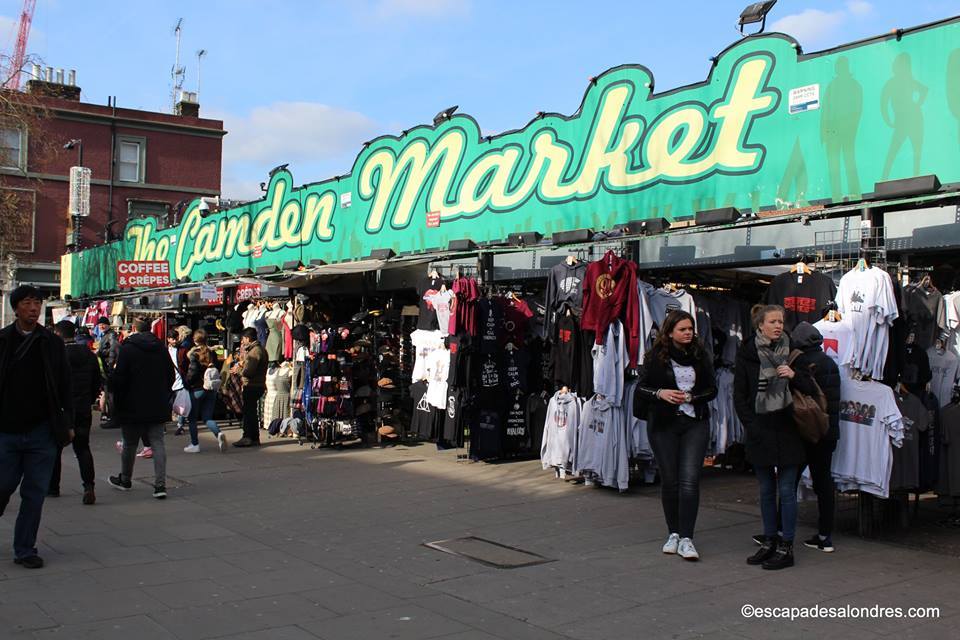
192 448
687 551
673 541
222 442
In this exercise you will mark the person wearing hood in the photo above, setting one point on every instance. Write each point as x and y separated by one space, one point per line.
763 401
675 386
808 339
141 385
108 346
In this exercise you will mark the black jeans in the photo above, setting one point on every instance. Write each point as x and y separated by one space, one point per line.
819 459
81 448
679 446
251 412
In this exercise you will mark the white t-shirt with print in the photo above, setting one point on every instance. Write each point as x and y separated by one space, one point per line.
866 298
870 425
441 304
838 340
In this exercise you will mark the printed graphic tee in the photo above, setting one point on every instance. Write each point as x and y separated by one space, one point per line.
803 296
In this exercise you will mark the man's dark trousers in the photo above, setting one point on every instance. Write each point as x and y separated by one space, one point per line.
26 459
251 412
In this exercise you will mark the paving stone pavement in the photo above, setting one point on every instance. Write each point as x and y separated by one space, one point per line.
289 543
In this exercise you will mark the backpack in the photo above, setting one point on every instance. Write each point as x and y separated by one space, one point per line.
211 379
809 412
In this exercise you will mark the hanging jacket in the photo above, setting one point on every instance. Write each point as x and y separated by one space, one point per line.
564 290
609 293
560 431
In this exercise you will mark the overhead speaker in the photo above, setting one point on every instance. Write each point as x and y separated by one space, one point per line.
267 270
244 272
317 262
525 239
918 186
651 226
724 215
572 237
382 254
292 265
462 245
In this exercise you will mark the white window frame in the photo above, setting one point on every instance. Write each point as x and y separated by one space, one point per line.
141 160
21 165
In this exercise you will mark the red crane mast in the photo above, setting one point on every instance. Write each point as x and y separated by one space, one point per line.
20 51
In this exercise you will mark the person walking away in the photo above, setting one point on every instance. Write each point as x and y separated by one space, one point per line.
173 342
254 380
676 383
107 349
141 382
762 398
36 416
819 456
203 367
86 382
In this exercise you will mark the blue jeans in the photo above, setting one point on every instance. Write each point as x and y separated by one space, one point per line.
26 459
783 481
203 403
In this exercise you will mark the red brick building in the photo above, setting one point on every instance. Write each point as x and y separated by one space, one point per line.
143 164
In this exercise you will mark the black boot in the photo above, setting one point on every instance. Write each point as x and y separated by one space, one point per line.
782 559
767 548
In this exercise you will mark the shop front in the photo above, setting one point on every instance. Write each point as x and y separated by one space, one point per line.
471 289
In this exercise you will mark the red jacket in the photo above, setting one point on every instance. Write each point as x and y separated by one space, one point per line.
610 293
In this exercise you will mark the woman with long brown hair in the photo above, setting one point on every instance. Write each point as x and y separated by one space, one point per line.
201 358
676 384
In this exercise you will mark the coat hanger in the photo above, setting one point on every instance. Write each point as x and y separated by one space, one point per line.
572 260
862 264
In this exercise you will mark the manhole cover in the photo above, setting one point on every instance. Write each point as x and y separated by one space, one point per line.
488 552
172 483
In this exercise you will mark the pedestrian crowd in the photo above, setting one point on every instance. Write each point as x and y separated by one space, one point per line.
51 380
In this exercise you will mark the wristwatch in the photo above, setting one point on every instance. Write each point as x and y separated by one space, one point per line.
687 398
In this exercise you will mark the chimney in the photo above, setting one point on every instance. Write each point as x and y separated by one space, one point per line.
50 84
188 107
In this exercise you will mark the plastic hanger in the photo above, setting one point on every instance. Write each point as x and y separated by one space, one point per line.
862 264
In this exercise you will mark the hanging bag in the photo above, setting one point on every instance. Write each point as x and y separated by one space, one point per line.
182 403
809 412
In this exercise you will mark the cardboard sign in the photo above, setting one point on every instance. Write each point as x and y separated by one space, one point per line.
143 273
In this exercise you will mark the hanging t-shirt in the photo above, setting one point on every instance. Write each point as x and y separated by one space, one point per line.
516 318
564 291
514 369
870 425
421 422
916 369
951 302
490 315
441 305
424 343
565 352
454 416
945 366
489 438
802 295
949 481
438 371
906 460
926 313
838 340
516 436
427 287
866 298
535 415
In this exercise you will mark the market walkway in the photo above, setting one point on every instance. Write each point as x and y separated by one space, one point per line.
290 544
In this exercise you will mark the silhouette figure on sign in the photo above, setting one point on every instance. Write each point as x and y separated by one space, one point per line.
953 86
839 122
794 177
905 96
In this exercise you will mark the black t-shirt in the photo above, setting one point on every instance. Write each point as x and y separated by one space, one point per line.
516 435
804 297
428 315
490 317
906 458
584 387
488 442
515 362
536 415
25 404
421 422
454 416
916 369
566 352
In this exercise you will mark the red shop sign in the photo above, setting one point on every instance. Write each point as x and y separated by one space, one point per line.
433 219
143 273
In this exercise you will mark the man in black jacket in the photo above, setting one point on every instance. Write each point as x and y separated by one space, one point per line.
87 382
141 384
107 350
36 416
820 455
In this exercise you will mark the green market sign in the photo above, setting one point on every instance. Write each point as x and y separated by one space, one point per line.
768 128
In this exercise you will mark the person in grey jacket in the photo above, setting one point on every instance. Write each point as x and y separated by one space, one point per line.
676 384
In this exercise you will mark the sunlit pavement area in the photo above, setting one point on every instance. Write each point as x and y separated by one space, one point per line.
289 543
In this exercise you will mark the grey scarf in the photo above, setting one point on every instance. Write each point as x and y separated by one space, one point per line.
773 392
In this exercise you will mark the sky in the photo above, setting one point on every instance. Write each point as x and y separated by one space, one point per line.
307 82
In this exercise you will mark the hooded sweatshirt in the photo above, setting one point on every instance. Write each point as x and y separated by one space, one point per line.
142 380
807 338
560 431
601 446
609 361
610 293
564 290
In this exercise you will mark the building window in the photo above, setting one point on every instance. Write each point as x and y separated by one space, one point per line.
11 149
130 157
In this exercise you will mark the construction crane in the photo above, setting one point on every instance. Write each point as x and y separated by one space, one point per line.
20 52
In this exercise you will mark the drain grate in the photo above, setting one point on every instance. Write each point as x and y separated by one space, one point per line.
172 483
488 552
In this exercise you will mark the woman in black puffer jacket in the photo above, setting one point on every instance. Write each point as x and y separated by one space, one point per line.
807 339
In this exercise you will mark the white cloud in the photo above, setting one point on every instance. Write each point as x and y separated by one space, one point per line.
298 133
811 26
859 7
421 8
